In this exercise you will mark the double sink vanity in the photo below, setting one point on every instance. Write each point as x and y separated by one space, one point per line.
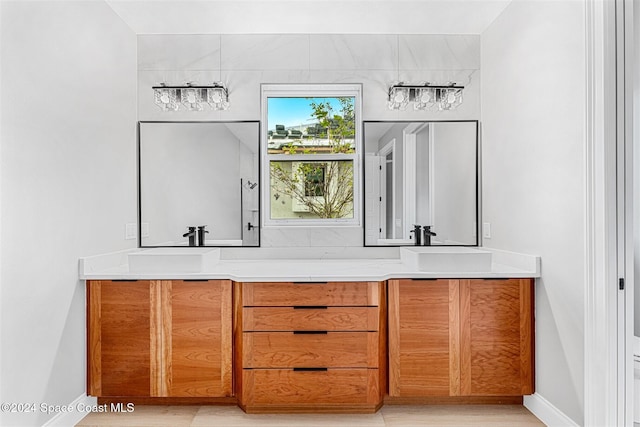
310 329
284 324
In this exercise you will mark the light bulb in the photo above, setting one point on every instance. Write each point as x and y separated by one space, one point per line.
216 97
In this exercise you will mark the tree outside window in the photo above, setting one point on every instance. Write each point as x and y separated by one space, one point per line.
311 160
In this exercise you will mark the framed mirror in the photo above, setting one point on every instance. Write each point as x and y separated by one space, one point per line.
198 184
421 174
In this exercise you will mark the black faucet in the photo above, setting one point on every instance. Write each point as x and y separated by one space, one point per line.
201 233
427 235
192 236
417 234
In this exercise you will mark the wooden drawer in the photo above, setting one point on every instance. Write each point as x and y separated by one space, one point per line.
306 318
310 294
329 387
316 350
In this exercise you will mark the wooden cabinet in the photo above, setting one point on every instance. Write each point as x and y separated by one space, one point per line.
461 337
119 330
159 338
424 349
310 346
197 339
496 336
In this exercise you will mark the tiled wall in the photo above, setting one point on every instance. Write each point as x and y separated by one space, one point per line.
243 62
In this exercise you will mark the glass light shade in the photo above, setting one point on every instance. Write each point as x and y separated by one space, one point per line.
450 98
191 98
217 98
398 98
424 98
166 99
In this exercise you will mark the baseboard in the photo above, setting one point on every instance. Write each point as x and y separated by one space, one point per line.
71 418
546 412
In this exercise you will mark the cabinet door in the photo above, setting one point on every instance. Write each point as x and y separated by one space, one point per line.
119 323
423 338
196 339
496 337
159 338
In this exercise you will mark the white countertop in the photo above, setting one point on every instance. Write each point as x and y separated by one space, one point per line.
308 264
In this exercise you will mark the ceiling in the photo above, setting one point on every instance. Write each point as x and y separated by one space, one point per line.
308 16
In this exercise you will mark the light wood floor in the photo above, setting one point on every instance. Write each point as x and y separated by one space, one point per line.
389 415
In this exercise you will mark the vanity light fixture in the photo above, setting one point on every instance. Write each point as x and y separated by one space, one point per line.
425 97
191 97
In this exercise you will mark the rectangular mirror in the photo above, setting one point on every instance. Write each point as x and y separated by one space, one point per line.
421 174
195 174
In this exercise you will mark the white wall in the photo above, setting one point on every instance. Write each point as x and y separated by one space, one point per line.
533 106
636 169
244 61
68 185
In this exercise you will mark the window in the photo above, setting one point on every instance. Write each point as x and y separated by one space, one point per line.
314 181
312 139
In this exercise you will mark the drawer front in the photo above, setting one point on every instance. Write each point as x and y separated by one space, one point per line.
310 294
289 387
294 350
310 319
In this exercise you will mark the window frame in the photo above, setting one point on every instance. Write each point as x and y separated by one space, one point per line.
353 90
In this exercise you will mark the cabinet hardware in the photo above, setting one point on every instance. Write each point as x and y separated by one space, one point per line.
621 283
310 307
124 280
195 280
310 369
309 283
310 332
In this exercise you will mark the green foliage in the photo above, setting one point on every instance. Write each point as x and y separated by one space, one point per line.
290 149
340 127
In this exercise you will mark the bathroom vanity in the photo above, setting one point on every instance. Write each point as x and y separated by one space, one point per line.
291 335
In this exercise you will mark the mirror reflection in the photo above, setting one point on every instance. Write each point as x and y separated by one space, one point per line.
421 183
198 183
